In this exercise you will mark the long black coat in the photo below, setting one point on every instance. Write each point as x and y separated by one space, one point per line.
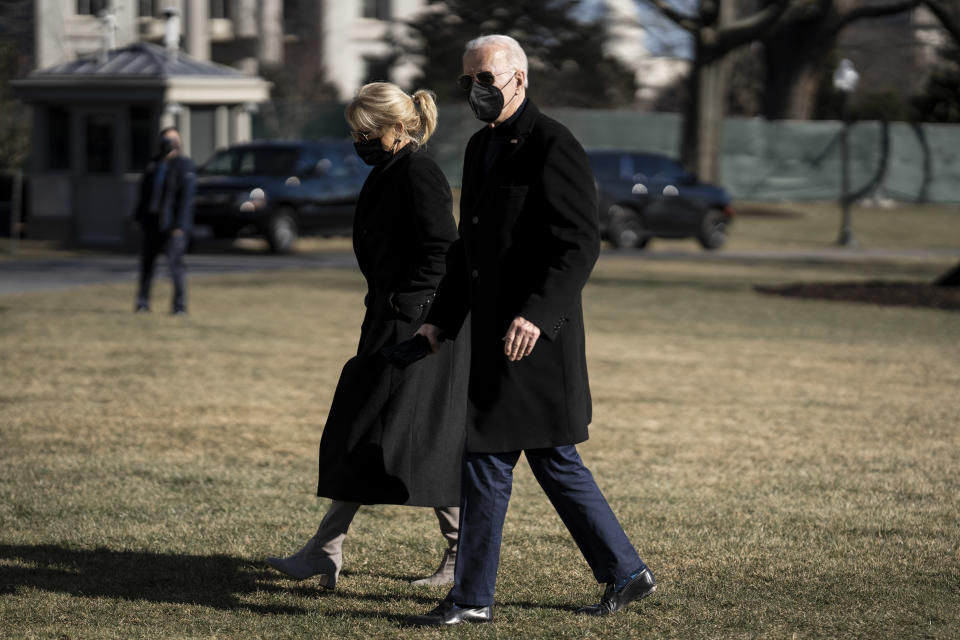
529 237
395 436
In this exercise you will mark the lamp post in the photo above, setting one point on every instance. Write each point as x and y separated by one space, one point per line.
845 80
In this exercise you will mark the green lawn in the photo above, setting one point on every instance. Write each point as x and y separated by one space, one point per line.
788 468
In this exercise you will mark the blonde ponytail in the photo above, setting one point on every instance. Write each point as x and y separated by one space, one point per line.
425 103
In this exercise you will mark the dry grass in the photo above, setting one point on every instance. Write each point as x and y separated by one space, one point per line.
786 467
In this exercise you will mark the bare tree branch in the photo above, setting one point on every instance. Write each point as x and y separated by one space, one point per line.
949 21
873 11
690 23
751 27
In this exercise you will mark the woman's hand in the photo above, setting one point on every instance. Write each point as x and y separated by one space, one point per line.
432 334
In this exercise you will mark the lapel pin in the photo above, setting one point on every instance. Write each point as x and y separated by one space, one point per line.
514 141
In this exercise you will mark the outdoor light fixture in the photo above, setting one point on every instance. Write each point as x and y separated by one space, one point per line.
845 80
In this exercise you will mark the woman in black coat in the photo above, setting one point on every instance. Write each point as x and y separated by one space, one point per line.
393 435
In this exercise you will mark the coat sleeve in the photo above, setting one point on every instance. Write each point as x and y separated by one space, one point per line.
429 200
452 303
573 246
188 187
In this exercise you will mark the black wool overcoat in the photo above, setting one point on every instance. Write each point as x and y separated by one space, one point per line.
396 436
529 237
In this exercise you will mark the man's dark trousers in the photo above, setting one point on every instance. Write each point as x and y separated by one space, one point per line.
485 493
154 241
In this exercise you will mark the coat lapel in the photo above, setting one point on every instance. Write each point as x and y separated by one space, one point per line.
480 185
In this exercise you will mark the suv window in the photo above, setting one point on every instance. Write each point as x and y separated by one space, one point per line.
647 167
340 162
607 165
272 161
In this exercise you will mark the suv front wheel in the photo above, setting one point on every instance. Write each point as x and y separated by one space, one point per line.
281 231
713 230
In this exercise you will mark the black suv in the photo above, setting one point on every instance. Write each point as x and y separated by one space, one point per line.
647 195
280 189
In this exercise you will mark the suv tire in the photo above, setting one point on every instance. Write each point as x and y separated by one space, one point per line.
282 231
713 230
627 232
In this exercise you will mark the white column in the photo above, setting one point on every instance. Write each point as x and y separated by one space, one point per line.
126 15
183 126
244 125
270 43
244 16
196 17
221 135
51 42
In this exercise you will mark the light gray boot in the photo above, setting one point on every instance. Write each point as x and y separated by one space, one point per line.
323 553
449 518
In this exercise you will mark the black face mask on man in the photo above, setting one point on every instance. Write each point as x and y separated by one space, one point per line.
167 145
372 152
486 101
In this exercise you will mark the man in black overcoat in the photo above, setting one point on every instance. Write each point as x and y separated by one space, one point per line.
529 237
165 213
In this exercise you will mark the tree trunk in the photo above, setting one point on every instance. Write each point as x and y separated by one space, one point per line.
689 142
793 55
711 107
702 140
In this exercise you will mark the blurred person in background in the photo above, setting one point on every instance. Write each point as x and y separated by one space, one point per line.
529 237
393 435
165 213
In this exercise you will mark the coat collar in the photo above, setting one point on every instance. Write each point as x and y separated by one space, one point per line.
518 131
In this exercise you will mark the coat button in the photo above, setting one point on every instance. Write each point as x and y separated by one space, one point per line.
475 220
475 273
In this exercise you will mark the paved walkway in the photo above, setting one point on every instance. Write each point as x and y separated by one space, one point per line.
22 275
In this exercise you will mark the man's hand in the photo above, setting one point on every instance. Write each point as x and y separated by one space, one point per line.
431 333
520 339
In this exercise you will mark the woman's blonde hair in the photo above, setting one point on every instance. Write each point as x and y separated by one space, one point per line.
380 105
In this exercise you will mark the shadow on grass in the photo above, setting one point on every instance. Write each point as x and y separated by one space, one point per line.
217 581
441 592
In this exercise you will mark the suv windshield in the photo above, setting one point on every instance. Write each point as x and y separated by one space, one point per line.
270 161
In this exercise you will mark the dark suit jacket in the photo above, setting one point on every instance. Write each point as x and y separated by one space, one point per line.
176 204
529 237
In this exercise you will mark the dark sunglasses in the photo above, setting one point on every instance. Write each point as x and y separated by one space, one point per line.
484 79
360 136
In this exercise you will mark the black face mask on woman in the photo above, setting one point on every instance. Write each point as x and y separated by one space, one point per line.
486 101
372 152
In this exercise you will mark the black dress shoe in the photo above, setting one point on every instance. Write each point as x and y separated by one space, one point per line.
449 613
639 587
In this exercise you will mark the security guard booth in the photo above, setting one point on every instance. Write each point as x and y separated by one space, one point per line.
96 122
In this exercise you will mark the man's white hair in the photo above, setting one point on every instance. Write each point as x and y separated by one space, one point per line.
516 58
